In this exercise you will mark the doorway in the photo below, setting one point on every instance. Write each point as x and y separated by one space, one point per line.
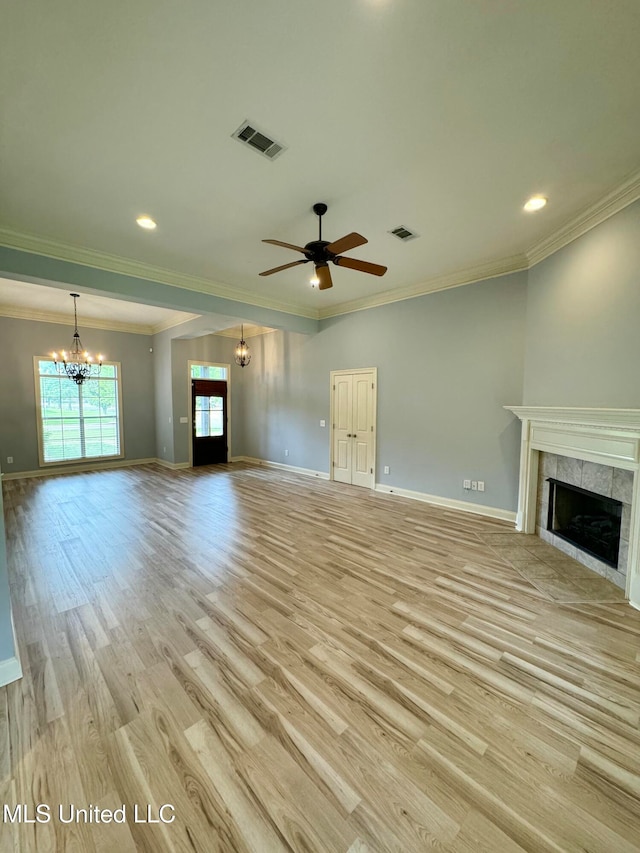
353 419
209 421
207 370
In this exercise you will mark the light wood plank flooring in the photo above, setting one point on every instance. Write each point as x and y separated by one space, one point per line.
299 665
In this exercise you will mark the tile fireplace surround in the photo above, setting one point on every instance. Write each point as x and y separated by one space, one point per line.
608 437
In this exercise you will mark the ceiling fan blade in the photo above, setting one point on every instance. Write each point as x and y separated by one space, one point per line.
361 266
324 277
287 246
345 244
283 267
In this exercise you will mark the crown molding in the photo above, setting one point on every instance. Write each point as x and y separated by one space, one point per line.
249 331
613 202
176 319
19 313
481 272
136 269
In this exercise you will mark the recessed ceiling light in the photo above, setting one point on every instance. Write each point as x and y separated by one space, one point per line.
536 202
146 222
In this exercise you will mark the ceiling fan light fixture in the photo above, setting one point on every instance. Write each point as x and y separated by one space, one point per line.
147 222
536 202
314 281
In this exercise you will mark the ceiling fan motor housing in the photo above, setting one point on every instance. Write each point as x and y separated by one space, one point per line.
317 252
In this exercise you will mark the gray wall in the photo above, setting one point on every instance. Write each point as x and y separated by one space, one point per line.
20 340
583 320
447 363
7 649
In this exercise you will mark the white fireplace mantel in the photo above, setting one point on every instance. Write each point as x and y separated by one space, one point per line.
606 436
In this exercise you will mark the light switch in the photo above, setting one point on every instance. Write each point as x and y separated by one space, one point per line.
323 423
184 420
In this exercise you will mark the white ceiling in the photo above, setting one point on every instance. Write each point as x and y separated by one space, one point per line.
25 300
441 115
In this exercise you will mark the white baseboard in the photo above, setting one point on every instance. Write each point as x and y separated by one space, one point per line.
11 668
173 466
78 469
308 472
449 503
95 466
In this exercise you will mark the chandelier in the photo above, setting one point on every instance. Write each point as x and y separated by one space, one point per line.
76 364
243 356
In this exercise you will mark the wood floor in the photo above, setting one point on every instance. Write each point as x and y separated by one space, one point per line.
298 665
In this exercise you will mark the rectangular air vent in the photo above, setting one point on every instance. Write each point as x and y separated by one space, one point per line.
403 233
258 140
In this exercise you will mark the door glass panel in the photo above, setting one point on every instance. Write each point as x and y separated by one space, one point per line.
209 416
208 371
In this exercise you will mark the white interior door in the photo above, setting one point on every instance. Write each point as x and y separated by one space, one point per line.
342 418
354 404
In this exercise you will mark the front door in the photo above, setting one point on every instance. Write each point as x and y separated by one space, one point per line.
209 421
354 401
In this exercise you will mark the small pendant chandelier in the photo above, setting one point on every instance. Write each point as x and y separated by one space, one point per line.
76 364
243 356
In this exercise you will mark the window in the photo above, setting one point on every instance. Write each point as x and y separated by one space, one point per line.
78 421
208 371
209 414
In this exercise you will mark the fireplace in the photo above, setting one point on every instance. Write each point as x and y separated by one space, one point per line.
593 449
590 521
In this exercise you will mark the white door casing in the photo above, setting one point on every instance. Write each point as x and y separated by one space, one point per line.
353 418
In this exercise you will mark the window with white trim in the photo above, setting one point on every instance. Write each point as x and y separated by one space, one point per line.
208 371
78 421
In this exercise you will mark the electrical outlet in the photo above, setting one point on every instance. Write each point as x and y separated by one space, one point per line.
10 460
474 486
286 453
466 484
386 469
481 485
184 420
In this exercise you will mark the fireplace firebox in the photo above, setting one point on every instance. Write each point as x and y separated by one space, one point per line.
589 521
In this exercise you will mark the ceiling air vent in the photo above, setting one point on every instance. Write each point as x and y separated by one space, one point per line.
258 140
403 233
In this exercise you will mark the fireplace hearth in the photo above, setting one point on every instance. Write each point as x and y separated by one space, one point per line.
590 521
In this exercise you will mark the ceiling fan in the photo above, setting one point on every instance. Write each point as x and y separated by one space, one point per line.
320 252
